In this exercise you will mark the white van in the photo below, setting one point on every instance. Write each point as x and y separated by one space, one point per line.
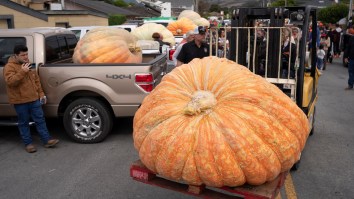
80 31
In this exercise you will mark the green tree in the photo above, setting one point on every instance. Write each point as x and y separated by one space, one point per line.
120 3
116 19
279 3
332 14
214 8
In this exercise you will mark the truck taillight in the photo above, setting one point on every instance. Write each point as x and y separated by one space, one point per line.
146 87
145 81
170 54
144 78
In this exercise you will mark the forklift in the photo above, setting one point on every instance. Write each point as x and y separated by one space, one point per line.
295 74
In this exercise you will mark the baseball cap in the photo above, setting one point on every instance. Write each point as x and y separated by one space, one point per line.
199 30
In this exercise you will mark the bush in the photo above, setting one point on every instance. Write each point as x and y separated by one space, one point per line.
280 3
332 14
116 19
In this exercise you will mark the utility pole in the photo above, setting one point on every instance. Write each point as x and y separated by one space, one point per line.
350 10
196 3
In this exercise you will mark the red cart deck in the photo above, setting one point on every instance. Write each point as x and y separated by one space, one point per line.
268 190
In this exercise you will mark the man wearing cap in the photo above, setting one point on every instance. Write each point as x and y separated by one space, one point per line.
194 49
188 37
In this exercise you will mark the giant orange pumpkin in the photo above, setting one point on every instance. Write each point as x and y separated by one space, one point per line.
181 26
108 45
214 122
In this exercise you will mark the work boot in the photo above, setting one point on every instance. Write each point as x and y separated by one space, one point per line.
349 88
51 143
30 148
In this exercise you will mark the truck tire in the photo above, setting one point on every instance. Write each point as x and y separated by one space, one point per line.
87 120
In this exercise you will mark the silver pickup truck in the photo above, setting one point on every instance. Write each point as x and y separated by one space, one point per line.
86 97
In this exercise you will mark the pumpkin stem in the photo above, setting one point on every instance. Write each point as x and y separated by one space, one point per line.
202 101
133 48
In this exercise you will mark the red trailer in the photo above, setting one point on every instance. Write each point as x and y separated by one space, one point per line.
268 190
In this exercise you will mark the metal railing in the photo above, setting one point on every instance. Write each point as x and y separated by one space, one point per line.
286 76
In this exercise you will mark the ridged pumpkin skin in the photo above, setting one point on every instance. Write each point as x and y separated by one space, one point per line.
145 32
181 26
107 45
202 22
190 14
214 122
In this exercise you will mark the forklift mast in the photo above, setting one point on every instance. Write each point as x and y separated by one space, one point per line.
275 19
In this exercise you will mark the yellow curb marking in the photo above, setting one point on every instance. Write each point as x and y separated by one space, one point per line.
289 188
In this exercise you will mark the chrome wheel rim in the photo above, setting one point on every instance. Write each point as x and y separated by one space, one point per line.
86 122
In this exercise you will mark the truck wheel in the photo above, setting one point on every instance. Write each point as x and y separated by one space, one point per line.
87 120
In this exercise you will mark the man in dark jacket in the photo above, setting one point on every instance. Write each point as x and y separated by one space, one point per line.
349 58
25 93
194 49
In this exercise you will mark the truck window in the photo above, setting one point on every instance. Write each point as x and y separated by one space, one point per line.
7 45
60 47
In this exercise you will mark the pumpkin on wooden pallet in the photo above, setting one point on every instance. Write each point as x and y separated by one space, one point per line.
214 122
107 45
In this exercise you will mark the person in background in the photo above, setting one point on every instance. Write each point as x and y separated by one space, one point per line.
336 40
25 92
288 54
188 37
223 44
194 49
349 58
158 37
326 43
320 57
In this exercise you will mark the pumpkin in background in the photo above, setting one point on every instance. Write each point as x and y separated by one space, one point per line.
214 122
181 26
107 45
190 14
202 22
145 32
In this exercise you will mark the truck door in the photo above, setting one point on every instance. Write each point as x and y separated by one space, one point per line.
7 45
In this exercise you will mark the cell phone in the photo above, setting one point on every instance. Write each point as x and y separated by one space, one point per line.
33 65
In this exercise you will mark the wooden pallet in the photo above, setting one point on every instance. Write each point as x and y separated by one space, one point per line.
268 190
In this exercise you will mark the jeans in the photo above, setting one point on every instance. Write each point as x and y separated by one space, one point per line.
351 73
320 63
33 110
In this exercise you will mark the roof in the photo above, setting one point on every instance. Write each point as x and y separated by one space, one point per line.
101 6
24 9
180 3
146 12
74 12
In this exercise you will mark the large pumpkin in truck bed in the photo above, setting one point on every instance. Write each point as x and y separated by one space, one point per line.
108 45
214 122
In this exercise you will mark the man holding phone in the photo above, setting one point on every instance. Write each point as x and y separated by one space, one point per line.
25 93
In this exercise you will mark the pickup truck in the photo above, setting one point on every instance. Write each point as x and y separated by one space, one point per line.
86 97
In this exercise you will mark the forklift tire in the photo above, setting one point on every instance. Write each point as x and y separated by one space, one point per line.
313 122
296 166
